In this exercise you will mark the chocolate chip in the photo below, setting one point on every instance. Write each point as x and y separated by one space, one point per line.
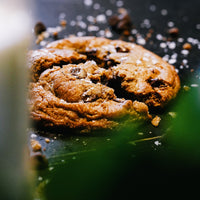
109 63
156 83
75 70
39 28
121 49
113 20
173 32
121 22
91 52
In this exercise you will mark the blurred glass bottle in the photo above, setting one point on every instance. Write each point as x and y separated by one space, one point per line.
14 40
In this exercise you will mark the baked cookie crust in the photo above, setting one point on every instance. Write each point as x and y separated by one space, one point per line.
90 82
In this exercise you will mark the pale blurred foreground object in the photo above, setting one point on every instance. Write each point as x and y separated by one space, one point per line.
15 24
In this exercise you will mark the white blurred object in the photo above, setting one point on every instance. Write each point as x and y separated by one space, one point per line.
14 40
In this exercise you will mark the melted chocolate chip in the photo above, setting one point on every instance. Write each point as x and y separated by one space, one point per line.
122 49
39 28
156 83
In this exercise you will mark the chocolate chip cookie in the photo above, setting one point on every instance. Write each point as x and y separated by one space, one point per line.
90 82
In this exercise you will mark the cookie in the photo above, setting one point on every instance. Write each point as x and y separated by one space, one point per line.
90 82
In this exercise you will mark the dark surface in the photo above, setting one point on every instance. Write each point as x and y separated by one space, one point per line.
155 161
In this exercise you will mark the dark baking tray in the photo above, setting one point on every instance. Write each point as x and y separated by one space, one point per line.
148 155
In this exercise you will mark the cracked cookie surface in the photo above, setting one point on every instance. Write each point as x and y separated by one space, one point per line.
90 82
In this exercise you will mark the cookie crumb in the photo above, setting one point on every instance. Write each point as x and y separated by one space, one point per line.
63 23
40 38
155 121
36 146
187 46
55 35
121 22
47 140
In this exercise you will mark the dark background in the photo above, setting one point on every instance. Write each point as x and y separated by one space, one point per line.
78 172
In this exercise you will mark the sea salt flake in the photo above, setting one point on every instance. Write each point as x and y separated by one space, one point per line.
180 40
147 54
177 71
82 24
157 143
138 62
154 61
101 33
33 135
80 33
194 85
164 12
62 16
108 33
159 37
170 24
141 41
119 3
172 45
101 18
88 2
163 45
165 57
145 59
174 56
109 12
134 31
192 40
152 8
43 43
72 23
184 52
172 61
184 61
181 67
96 6
93 28
198 26
79 17
91 19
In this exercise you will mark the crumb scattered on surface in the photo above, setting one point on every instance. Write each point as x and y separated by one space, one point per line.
36 146
155 121
63 22
47 140
121 22
187 46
